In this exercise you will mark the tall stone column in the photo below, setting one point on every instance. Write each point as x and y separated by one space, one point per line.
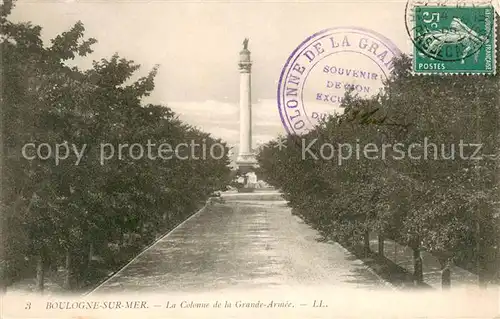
246 159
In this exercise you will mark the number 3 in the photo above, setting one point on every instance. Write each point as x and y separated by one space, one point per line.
433 15
28 305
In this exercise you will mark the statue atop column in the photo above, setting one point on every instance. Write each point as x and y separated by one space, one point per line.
245 63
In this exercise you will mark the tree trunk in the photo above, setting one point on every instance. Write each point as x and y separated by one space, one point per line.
482 279
67 278
480 260
445 274
418 275
381 245
122 238
486 265
40 273
90 255
366 245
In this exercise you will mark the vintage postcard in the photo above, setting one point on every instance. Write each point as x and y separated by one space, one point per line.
250 159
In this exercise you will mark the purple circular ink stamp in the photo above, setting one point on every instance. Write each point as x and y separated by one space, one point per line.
317 74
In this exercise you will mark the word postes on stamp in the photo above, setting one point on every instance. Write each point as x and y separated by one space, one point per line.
452 39
322 68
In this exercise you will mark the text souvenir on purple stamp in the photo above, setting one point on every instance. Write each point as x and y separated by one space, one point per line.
323 67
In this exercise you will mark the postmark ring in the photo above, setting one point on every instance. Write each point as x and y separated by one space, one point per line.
306 82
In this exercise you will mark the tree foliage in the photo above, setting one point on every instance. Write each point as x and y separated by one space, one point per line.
448 207
61 213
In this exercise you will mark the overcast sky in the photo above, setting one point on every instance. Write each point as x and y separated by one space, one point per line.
196 45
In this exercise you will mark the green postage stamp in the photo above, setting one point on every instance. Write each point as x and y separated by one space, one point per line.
453 40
